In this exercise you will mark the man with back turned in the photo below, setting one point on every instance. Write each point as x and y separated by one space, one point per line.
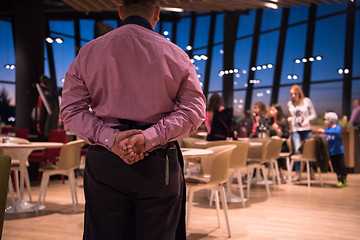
131 94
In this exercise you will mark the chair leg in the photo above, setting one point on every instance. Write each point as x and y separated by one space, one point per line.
71 176
43 187
241 187
249 179
289 169
308 173
320 176
223 200
17 185
217 204
190 201
277 171
273 176
266 182
12 194
211 198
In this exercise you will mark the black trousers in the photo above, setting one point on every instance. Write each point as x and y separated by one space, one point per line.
338 164
133 201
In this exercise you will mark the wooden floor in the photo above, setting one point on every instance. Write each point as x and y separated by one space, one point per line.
292 212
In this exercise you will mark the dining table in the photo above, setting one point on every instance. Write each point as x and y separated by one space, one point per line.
22 151
193 153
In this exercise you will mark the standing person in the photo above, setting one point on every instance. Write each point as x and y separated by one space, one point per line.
218 119
215 104
133 78
334 139
301 112
259 118
355 114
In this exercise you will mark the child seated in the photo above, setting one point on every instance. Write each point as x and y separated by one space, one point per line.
333 137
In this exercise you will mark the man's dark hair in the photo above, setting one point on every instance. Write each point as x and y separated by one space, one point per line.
136 6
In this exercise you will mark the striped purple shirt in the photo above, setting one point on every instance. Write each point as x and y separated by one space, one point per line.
136 74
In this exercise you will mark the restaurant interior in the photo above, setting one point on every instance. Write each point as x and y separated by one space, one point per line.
240 187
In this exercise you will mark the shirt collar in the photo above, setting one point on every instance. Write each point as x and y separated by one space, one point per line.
138 21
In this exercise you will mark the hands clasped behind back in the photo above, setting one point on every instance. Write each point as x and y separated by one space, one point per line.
130 146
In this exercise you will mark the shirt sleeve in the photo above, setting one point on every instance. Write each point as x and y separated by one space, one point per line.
186 118
312 112
76 113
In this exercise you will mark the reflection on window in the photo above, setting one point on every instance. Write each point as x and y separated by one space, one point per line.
242 61
266 58
183 32
356 63
261 95
325 9
239 103
326 96
271 19
284 98
246 24
200 64
294 48
219 28
329 42
355 94
10 91
202 31
298 14
167 30
215 83
7 51
86 30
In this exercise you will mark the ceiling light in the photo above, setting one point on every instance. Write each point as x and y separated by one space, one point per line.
170 9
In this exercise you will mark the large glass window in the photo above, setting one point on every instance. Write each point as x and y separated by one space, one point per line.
298 14
202 31
200 64
284 98
183 32
86 30
327 96
355 94
9 91
266 58
215 83
271 19
239 103
261 95
329 42
325 9
167 30
356 62
7 56
242 61
294 49
64 53
246 24
219 28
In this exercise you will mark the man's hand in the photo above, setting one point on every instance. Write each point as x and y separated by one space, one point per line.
135 144
120 147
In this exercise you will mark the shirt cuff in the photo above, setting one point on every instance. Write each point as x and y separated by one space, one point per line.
151 138
107 137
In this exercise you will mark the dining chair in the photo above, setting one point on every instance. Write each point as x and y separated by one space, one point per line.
287 156
308 155
49 154
7 129
15 168
273 153
238 163
256 160
191 142
5 162
220 162
22 133
69 160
